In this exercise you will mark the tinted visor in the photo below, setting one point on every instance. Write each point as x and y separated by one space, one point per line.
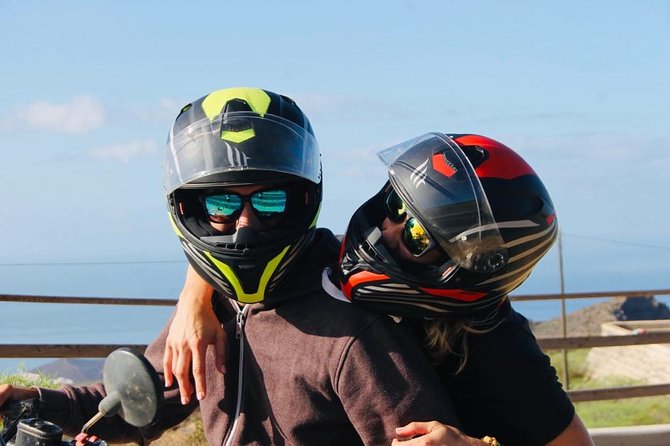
236 142
439 186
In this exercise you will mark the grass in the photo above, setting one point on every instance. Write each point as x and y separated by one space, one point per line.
27 379
610 413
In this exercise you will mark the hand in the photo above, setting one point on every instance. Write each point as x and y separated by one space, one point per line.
193 328
432 433
12 393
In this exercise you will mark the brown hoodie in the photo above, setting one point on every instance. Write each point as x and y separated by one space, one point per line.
313 370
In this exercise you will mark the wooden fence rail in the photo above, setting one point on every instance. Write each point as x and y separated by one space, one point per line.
591 295
86 300
102 350
63 350
603 341
615 393
168 302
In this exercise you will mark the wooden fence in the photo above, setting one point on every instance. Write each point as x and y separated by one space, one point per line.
560 343
655 435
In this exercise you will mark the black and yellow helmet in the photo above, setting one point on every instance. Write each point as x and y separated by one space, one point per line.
236 137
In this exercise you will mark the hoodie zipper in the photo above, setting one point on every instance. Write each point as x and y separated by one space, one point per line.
239 334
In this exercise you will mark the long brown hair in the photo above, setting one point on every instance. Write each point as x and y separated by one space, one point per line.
449 336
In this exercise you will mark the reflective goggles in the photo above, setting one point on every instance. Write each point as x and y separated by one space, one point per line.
227 207
415 237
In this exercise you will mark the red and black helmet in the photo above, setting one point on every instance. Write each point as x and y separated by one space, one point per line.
478 200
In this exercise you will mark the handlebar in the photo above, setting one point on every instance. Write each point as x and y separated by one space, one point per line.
12 413
133 392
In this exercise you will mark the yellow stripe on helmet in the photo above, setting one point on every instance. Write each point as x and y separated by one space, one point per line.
258 100
174 226
241 296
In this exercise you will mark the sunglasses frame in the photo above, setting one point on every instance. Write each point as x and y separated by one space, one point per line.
244 198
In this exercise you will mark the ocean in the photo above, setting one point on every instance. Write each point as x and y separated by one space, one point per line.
31 323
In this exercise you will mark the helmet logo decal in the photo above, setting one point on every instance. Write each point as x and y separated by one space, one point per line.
236 158
418 176
442 165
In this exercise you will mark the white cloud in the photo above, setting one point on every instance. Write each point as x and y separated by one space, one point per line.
80 115
164 110
124 153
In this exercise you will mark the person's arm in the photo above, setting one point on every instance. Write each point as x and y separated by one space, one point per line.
70 407
438 434
520 397
573 435
10 393
193 328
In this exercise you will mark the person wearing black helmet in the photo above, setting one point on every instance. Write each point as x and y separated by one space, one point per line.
243 184
460 224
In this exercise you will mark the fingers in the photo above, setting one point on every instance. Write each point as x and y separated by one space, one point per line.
167 366
180 371
199 351
405 441
5 393
414 428
10 393
431 433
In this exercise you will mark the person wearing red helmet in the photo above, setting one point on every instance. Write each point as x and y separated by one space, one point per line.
461 223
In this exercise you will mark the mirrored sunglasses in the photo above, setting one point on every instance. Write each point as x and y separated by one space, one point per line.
415 237
227 207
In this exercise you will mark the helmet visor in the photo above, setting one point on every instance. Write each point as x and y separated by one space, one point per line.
237 142
437 182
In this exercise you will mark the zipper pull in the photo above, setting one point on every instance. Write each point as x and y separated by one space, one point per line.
239 323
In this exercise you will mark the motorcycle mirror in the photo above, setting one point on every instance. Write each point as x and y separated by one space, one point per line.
133 388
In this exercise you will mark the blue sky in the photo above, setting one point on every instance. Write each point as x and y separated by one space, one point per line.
580 89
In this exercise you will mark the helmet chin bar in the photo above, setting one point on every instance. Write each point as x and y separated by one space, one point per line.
245 239
249 286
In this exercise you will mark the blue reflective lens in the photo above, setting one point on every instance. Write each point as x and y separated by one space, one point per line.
269 203
226 207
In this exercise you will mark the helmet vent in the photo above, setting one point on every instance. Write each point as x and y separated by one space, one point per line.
237 105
